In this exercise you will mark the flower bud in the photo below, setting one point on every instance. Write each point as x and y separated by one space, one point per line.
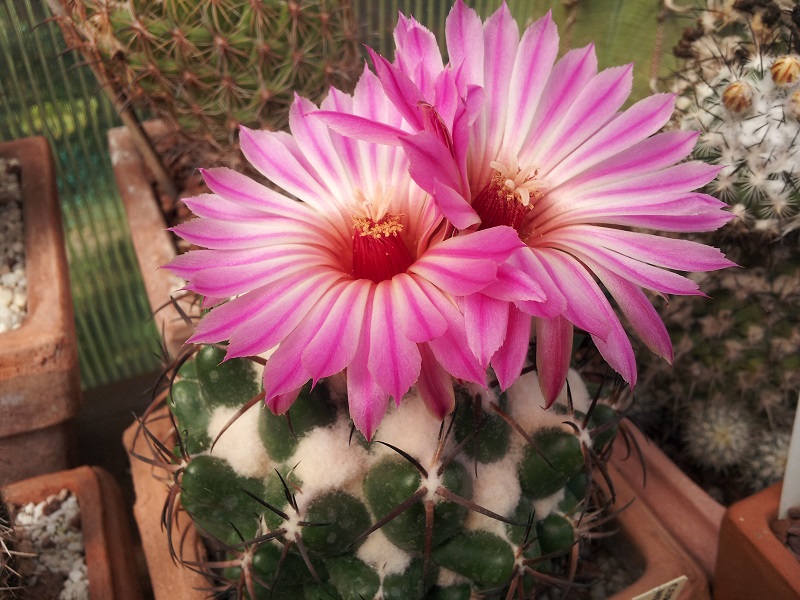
738 96
785 70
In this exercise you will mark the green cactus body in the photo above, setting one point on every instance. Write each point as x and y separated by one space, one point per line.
369 521
207 67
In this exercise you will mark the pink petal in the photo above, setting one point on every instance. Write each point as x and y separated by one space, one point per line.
417 53
500 41
360 128
276 155
453 205
216 207
225 281
394 361
435 385
464 35
617 351
586 306
366 400
243 190
515 284
639 311
555 303
421 321
431 161
568 77
534 60
653 154
510 358
553 352
280 404
452 349
668 253
401 91
334 344
641 120
597 103
486 321
635 271
236 235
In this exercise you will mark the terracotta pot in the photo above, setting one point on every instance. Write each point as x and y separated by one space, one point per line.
643 539
752 562
691 516
169 580
104 522
40 388
153 245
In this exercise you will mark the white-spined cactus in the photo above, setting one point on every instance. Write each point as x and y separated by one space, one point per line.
305 507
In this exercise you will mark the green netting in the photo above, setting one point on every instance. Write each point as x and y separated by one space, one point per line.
44 91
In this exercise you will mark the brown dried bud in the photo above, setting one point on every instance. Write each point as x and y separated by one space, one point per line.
785 70
738 96
794 104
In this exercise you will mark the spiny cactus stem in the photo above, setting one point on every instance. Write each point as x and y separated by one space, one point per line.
396 512
121 104
247 406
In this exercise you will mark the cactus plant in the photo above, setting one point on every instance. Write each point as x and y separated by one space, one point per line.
9 577
494 497
207 67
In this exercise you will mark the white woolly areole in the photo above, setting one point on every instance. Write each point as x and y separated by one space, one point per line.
327 460
449 578
544 506
240 445
497 489
382 555
526 405
411 428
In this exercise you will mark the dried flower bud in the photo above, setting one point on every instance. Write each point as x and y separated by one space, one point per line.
785 70
738 96
794 104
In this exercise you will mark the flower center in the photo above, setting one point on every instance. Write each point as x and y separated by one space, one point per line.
379 252
507 198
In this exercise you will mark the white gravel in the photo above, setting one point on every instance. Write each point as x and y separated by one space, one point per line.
13 281
51 531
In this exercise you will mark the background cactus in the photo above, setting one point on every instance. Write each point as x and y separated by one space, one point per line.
725 406
207 67
305 507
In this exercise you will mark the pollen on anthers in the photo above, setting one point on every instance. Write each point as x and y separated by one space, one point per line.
522 186
389 225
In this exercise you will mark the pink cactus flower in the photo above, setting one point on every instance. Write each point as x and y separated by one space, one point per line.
354 267
507 135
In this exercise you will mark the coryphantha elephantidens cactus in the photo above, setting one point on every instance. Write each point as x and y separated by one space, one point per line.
496 496
729 397
207 67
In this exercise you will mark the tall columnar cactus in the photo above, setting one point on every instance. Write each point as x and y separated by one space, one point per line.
306 508
207 67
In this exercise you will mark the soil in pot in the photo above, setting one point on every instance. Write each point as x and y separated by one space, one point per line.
788 531
49 549
13 282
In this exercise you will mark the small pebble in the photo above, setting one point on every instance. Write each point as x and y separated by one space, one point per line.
13 280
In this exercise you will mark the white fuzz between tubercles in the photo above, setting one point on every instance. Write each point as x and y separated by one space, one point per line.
240 445
497 489
382 555
326 459
411 428
526 403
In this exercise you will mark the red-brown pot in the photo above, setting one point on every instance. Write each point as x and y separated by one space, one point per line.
40 388
643 538
752 562
151 241
104 522
685 509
